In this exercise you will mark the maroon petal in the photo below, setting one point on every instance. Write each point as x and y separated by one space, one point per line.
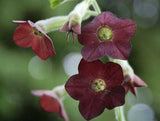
90 28
49 104
93 69
138 82
88 38
89 34
77 86
76 29
132 88
124 29
106 19
23 34
93 52
129 85
113 74
91 106
115 98
65 28
43 47
118 50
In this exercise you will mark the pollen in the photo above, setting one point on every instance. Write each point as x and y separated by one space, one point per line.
98 85
105 33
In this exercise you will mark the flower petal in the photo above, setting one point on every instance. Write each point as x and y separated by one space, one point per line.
124 30
106 19
77 86
88 38
43 47
65 28
23 35
50 104
91 106
93 52
113 74
115 98
91 70
118 50
138 82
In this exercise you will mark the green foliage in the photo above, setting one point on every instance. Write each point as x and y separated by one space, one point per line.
55 3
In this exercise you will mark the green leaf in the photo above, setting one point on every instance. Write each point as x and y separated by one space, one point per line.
55 3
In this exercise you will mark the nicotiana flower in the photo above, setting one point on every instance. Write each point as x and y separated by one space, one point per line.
30 35
131 80
51 102
107 35
97 86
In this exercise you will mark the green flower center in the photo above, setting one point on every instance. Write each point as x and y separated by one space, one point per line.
38 33
105 33
98 85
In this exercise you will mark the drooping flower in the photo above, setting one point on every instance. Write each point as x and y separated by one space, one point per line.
131 80
97 86
72 26
30 35
51 102
107 35
75 17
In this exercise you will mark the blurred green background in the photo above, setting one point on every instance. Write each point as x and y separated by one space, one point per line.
21 71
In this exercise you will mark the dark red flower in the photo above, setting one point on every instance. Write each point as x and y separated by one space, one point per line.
50 102
30 35
97 86
131 82
107 35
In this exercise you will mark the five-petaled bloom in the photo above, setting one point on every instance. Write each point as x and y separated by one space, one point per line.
131 82
97 86
107 35
50 102
30 35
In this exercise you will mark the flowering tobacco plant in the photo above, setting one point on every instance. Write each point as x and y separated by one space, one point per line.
98 85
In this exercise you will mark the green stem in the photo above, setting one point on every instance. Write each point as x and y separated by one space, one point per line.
119 112
89 13
96 6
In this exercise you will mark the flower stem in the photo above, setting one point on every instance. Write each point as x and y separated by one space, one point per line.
96 6
89 13
52 24
119 112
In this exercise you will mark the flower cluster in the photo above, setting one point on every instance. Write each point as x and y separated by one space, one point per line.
98 85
